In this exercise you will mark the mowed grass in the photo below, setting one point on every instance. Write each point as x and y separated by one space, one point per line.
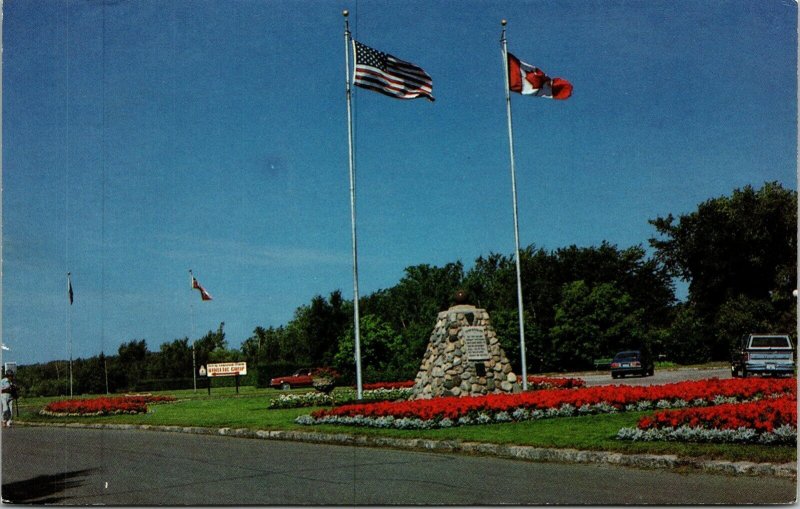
248 409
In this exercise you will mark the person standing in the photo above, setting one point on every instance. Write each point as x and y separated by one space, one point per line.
6 397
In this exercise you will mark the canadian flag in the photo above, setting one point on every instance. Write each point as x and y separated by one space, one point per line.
529 80
203 293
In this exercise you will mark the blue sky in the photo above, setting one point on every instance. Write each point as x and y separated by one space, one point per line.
143 139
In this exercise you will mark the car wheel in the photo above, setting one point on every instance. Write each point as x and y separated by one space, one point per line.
651 371
285 386
734 372
614 376
744 372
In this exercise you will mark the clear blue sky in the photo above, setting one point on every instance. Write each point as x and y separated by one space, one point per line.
142 139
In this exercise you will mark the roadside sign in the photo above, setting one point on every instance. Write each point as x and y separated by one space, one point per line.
226 369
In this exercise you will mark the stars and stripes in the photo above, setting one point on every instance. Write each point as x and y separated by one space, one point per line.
389 75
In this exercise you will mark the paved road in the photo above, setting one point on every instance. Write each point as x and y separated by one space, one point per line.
661 376
84 466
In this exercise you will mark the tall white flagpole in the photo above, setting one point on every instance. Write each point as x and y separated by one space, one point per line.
69 331
356 325
516 220
191 314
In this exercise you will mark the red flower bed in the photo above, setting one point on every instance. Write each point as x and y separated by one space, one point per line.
763 416
617 396
546 382
534 383
388 385
104 405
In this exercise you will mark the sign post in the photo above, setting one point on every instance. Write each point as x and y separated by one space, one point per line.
202 372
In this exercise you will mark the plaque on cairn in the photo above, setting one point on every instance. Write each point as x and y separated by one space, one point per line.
475 341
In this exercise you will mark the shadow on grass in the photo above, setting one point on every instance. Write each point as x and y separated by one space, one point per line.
44 489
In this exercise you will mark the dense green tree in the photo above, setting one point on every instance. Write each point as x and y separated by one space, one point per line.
226 355
265 345
132 362
252 347
740 315
323 321
43 379
210 342
594 322
687 343
411 306
734 247
89 376
174 359
421 293
492 284
382 352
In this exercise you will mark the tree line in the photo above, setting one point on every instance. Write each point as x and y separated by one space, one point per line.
737 254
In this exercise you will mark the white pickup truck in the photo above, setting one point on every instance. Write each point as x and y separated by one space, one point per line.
763 354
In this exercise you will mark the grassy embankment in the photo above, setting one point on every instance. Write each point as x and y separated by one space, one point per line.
249 410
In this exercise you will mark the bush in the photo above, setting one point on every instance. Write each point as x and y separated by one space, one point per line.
45 388
165 384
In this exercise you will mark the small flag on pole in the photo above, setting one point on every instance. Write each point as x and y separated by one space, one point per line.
388 75
529 80
69 288
196 286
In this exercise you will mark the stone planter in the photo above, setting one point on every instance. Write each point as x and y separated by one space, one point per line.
323 384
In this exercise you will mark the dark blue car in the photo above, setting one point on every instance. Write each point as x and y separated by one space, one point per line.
632 362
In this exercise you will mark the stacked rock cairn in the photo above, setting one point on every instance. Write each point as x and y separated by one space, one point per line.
446 369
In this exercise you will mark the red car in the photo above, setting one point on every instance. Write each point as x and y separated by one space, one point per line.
301 378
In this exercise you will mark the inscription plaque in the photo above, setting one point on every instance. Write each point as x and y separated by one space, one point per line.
475 341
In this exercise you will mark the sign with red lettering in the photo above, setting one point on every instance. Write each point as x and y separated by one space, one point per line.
226 369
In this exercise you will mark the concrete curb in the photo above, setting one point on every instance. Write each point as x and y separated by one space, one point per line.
520 452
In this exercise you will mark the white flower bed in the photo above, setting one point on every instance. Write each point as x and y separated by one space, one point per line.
783 435
339 397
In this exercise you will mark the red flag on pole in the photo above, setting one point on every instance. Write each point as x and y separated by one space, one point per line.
530 80
196 286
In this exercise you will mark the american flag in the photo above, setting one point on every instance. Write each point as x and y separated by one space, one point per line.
388 75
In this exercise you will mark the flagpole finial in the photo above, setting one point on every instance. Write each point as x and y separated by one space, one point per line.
345 13
503 22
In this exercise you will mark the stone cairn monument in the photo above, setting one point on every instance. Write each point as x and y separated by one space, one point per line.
464 357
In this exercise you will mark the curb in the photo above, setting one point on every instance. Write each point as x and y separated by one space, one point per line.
520 452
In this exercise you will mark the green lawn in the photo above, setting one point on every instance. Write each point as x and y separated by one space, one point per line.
248 409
